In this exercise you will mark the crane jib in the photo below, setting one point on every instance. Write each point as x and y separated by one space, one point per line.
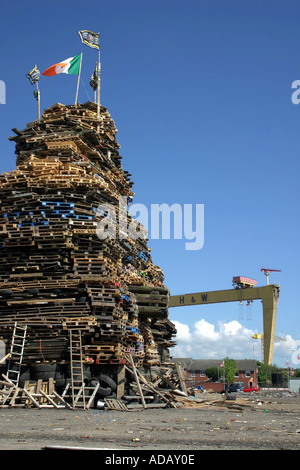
268 294
190 299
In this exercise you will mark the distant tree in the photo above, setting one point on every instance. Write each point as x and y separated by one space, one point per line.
297 373
230 370
212 373
264 373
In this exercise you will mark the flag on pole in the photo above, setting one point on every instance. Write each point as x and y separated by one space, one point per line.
223 364
89 38
34 75
94 79
70 66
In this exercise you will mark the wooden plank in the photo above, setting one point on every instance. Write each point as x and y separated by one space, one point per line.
48 398
130 360
31 398
151 388
181 377
4 358
149 405
59 397
120 380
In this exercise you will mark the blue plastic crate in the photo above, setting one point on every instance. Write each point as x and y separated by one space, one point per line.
143 256
58 204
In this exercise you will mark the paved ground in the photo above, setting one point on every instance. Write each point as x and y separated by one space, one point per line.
263 422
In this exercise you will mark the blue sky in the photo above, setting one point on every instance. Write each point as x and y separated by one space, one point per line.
200 91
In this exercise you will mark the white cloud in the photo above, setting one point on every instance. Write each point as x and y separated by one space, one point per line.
205 331
183 332
232 328
204 340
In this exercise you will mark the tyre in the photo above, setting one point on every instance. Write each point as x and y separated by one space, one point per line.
60 376
86 374
105 380
85 368
231 396
24 373
33 291
150 397
6 292
43 371
102 391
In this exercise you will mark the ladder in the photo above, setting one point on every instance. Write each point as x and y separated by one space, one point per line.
77 381
92 391
16 353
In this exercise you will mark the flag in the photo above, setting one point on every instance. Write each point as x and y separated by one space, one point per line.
222 365
94 79
70 66
34 75
89 38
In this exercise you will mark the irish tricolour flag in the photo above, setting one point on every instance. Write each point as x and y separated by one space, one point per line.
70 66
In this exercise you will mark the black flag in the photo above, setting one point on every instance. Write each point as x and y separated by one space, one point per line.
94 79
89 38
33 75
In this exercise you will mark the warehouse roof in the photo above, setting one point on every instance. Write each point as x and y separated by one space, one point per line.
202 364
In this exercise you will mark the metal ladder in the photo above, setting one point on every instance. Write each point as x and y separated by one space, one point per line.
16 353
77 381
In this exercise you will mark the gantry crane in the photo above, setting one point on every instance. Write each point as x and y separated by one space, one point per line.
244 291
268 271
261 337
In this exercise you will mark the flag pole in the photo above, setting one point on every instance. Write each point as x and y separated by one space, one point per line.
38 100
78 80
95 89
98 89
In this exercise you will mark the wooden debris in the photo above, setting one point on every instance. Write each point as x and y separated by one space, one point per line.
39 394
114 404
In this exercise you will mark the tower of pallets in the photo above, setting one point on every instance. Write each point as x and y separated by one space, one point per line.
55 268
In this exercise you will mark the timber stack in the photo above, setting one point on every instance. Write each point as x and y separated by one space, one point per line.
56 270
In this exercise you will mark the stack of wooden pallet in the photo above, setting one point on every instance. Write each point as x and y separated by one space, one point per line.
54 267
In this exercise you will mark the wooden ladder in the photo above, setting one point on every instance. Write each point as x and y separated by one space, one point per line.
90 394
77 381
16 353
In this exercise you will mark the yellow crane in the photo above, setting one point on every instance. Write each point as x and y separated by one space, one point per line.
260 336
245 290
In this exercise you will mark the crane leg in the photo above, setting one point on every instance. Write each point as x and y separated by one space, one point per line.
270 302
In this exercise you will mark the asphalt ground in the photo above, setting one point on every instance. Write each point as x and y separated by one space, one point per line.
252 422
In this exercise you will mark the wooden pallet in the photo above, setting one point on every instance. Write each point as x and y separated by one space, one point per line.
114 404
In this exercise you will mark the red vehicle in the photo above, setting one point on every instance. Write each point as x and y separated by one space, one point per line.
250 389
244 281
